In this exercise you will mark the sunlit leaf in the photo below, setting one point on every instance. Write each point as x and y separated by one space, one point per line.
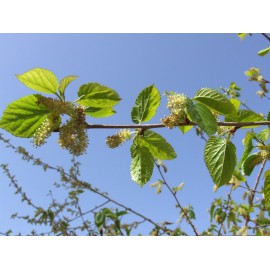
146 105
216 101
40 79
23 116
65 82
220 159
98 96
157 145
264 51
142 164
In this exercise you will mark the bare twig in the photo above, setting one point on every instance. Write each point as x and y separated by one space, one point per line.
266 36
177 201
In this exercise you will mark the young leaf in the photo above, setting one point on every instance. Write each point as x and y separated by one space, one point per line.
99 112
65 82
216 101
264 51
248 147
142 164
242 35
202 116
23 116
236 103
157 145
220 159
185 129
250 162
97 96
266 189
40 79
146 105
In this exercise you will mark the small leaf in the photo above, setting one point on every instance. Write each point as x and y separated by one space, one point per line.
220 159
146 105
100 218
266 189
216 101
253 73
264 134
264 51
23 116
97 96
99 112
242 35
157 145
142 164
250 162
236 103
185 129
178 188
65 82
40 79
248 147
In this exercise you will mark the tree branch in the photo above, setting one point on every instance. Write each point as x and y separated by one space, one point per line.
151 126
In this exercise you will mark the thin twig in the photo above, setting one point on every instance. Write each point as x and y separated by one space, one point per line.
253 191
266 36
177 201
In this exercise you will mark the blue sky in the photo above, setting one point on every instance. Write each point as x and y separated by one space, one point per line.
127 63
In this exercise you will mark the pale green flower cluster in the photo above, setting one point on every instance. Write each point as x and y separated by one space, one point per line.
118 138
51 123
177 104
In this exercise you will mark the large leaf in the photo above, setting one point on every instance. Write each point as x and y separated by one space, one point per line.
216 101
157 145
220 159
98 96
142 164
250 162
23 116
146 105
40 79
202 116
65 82
266 189
99 112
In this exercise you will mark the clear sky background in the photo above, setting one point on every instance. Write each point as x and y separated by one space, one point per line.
126 63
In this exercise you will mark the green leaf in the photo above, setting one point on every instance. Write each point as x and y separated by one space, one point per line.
99 112
185 129
40 79
266 189
246 116
250 162
65 82
142 164
23 116
264 134
236 103
220 159
100 218
157 145
264 51
146 105
97 96
216 101
248 147
253 73
202 116
242 35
